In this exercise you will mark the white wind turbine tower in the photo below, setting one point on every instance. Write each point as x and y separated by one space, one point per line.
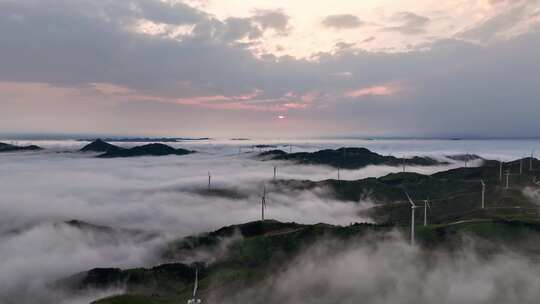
275 171
194 299
507 179
531 162
426 206
483 194
263 203
500 171
413 207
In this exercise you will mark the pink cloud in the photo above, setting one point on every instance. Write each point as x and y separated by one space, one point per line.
218 98
309 97
111 89
290 94
118 93
380 90
292 105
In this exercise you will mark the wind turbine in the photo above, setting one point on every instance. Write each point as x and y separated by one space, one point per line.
275 169
338 177
500 170
426 206
209 180
531 163
507 179
413 206
263 203
194 299
483 193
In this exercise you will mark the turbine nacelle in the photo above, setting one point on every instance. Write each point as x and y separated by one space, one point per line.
413 205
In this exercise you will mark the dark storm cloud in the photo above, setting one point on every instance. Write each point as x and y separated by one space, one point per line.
344 21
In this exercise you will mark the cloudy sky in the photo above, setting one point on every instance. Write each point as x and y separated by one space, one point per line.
226 68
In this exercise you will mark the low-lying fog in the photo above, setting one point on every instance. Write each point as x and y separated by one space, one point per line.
164 196
391 271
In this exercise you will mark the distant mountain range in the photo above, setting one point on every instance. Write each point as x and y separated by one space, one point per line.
356 158
151 139
12 148
99 145
247 254
112 151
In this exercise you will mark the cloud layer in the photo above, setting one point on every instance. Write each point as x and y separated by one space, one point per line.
164 197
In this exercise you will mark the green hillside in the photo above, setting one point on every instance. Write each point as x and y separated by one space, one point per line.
248 253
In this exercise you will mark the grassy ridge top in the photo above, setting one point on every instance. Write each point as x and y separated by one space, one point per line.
356 158
241 255
266 247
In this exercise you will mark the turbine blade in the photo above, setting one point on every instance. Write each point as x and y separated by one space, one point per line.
410 200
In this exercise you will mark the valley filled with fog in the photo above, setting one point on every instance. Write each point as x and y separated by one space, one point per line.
148 201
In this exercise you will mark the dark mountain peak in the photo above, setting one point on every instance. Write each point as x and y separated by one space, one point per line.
464 157
255 228
354 150
272 153
12 148
88 226
349 158
154 149
99 145
402 178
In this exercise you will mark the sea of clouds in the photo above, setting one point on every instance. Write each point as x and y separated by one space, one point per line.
165 197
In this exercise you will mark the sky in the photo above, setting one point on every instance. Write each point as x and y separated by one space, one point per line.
232 68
